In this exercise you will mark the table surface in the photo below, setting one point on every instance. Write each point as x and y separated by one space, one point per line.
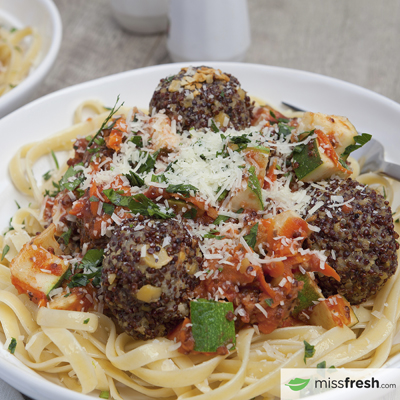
357 41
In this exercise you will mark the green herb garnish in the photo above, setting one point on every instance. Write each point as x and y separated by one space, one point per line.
12 346
6 249
251 237
309 350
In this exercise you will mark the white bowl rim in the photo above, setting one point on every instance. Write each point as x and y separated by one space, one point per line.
41 70
32 382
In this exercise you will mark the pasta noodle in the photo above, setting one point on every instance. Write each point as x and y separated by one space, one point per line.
19 49
86 353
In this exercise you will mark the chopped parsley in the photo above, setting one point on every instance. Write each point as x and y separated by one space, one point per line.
86 321
138 203
103 125
322 364
251 237
108 208
55 159
182 189
12 346
91 269
134 179
137 140
47 175
71 179
6 249
94 199
309 350
191 213
214 127
254 184
269 302
220 218
66 236
240 141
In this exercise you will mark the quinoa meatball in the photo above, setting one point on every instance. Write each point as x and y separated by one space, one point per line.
358 237
196 94
148 275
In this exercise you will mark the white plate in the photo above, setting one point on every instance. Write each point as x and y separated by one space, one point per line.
368 111
44 17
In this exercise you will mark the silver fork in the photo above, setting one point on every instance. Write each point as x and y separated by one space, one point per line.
371 156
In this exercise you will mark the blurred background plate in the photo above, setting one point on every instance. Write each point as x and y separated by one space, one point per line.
368 111
44 17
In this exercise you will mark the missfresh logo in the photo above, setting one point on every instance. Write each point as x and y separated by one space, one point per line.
350 383
297 384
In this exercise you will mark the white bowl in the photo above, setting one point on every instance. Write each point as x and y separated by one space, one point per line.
44 17
369 111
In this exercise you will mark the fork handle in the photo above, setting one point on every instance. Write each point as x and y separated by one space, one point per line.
390 169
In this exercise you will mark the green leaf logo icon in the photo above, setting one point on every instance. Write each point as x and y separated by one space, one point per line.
297 384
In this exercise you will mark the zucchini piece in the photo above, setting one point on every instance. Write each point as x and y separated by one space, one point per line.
313 165
333 311
308 294
178 206
250 197
334 126
36 270
211 328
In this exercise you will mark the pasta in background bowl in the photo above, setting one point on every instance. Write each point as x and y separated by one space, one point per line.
136 87
32 30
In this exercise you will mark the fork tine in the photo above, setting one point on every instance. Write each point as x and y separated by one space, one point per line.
294 108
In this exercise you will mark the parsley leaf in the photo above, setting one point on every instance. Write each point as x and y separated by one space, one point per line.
67 182
191 213
108 208
284 130
55 159
94 199
86 321
309 350
91 266
214 127
66 236
251 237
220 218
240 141
158 178
137 204
137 140
322 364
112 112
134 179
182 189
254 184
47 175
12 346
149 164
269 302
6 249
360 140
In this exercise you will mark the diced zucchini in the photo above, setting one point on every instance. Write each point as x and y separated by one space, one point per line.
64 301
334 126
308 294
333 311
312 164
178 206
37 270
211 328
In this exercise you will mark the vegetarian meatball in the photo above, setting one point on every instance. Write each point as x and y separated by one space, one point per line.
357 232
196 94
148 275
